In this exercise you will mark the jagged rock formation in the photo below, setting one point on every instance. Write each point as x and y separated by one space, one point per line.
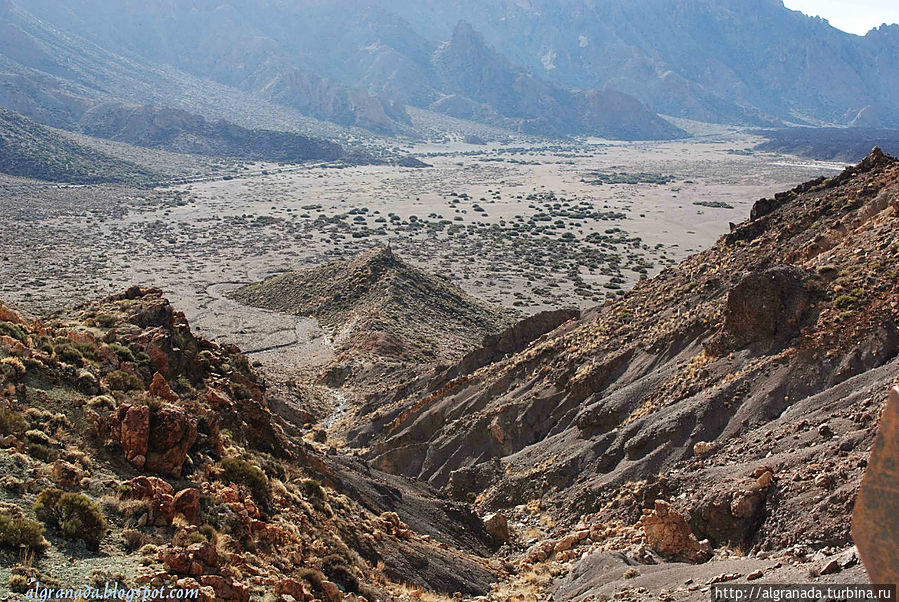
756 366
468 67
356 67
718 60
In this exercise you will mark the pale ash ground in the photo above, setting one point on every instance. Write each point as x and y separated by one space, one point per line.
66 245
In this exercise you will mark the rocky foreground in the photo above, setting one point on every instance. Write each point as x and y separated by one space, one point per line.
713 425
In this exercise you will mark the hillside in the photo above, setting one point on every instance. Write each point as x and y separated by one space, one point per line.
62 58
164 445
467 66
830 144
31 150
381 309
184 132
742 386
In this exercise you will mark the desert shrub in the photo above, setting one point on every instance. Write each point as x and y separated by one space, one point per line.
18 532
87 350
314 577
132 539
312 489
12 330
336 569
845 301
241 393
41 452
183 538
68 353
118 380
18 584
75 515
102 402
106 320
209 532
16 364
45 505
123 353
11 422
242 472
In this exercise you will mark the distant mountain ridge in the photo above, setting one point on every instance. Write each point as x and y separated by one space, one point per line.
290 54
737 61
180 131
469 67
30 150
586 67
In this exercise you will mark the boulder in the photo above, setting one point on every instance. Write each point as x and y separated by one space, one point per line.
66 474
766 307
156 440
730 513
668 533
187 503
172 433
160 388
875 519
292 587
134 432
497 526
159 496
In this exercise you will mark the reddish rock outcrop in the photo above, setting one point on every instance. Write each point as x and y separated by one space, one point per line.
160 388
669 534
157 440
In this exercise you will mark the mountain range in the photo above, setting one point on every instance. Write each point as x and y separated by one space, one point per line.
582 67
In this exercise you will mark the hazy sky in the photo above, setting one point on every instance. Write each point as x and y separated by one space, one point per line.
856 16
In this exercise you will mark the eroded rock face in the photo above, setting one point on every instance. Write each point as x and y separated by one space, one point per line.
766 307
731 513
157 440
875 521
668 533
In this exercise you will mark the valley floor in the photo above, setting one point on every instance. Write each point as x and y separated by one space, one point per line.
526 226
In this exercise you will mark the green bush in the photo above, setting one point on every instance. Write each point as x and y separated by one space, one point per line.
45 506
312 489
335 567
41 452
124 353
68 353
12 330
241 393
75 515
118 380
845 301
16 532
106 320
242 472
11 422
